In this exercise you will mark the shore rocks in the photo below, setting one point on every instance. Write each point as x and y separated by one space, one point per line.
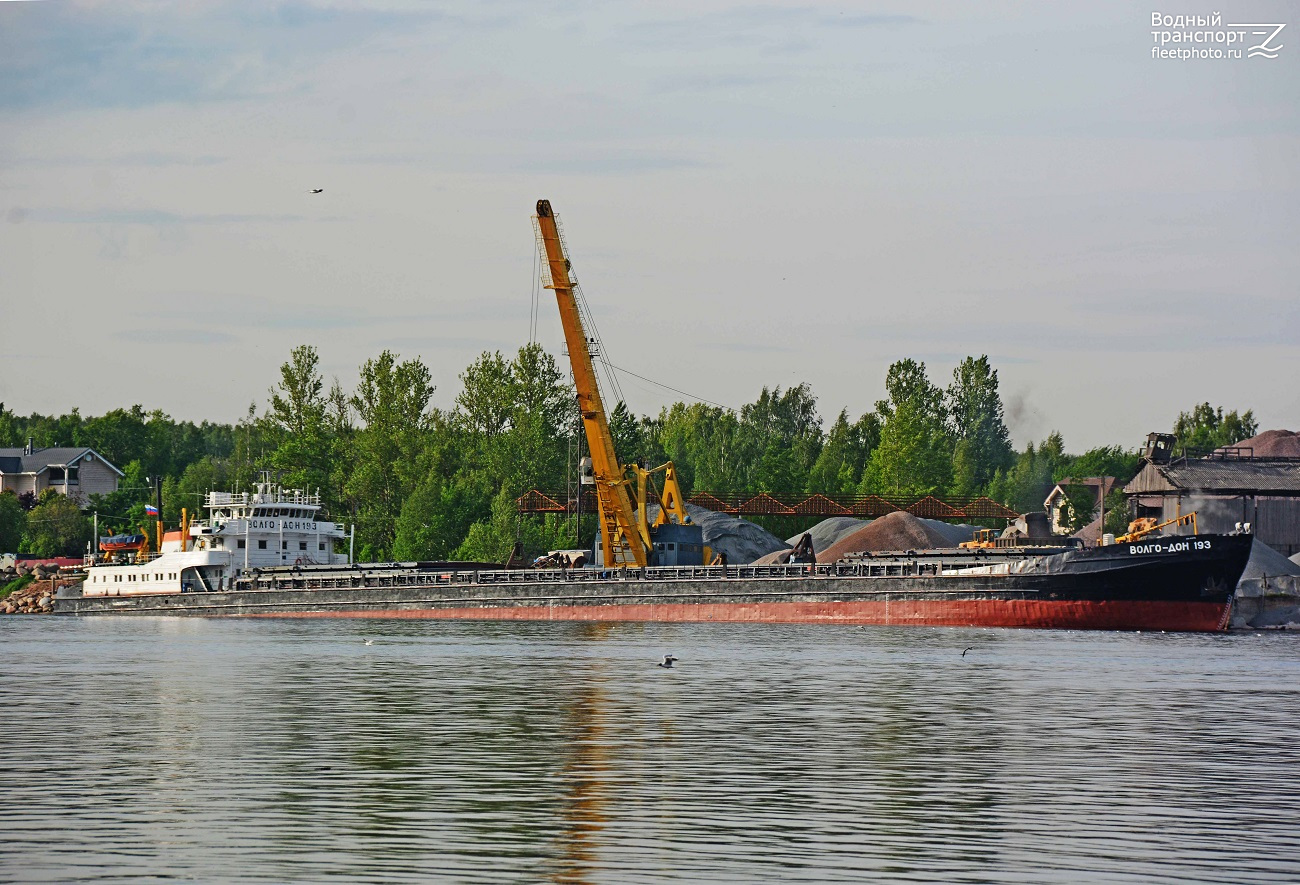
36 598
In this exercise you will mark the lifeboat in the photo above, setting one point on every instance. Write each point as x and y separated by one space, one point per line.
122 543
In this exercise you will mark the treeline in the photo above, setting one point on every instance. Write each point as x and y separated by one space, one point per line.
420 482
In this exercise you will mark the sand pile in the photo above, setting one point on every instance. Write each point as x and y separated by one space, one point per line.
829 530
741 540
776 557
895 531
1274 444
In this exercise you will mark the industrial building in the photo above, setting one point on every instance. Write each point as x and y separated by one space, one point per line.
1225 488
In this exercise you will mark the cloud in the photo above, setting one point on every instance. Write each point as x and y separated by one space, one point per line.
157 337
764 28
153 217
609 161
117 55
699 82
151 159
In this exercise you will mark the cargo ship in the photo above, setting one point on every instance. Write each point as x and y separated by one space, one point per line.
1176 583
268 555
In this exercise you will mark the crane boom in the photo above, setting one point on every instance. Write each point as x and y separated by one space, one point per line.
624 537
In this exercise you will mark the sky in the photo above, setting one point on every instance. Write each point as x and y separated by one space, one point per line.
753 194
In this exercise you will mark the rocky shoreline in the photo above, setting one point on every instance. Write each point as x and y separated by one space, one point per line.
36 597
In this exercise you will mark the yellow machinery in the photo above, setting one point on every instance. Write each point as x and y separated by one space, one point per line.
1139 528
983 539
621 490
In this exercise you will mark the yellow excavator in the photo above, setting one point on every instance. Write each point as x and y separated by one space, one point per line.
627 538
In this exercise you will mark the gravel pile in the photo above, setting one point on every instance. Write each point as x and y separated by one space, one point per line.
741 540
1266 562
1274 444
829 530
896 531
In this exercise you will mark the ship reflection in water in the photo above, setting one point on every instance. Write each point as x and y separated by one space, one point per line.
494 751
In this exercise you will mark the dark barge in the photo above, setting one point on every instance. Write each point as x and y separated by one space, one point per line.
1157 583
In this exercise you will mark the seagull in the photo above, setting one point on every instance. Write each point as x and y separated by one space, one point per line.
368 641
970 648
318 190
667 662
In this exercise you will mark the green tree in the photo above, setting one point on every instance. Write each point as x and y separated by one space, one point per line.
1026 484
297 415
56 527
1100 461
13 521
914 454
843 457
778 440
485 405
1116 518
1206 427
701 441
629 435
437 517
392 400
1080 506
493 539
975 414
517 416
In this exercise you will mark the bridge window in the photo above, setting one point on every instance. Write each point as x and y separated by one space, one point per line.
261 545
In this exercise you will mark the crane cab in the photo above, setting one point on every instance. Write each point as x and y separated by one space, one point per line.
671 544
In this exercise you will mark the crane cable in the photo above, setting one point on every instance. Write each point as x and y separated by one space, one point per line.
589 324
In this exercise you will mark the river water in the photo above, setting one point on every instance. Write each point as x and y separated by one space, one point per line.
291 750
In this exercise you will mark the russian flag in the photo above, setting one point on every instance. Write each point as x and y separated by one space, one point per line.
150 510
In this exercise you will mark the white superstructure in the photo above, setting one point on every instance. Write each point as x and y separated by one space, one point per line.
270 527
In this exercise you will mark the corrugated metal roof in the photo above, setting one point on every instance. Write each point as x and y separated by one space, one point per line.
15 461
1223 477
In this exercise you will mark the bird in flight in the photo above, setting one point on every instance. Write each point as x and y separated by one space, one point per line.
667 662
318 190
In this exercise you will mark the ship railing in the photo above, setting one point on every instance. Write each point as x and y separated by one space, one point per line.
356 578
275 496
104 558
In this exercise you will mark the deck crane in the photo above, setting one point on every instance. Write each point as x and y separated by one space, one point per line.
626 538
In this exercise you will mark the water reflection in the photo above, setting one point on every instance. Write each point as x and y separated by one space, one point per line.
293 751
584 769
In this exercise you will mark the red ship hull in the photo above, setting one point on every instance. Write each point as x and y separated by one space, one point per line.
1034 613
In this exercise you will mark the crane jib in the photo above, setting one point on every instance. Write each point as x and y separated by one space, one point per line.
624 532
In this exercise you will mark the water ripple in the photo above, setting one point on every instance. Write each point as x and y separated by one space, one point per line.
221 750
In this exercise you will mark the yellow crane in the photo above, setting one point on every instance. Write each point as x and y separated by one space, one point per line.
627 539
